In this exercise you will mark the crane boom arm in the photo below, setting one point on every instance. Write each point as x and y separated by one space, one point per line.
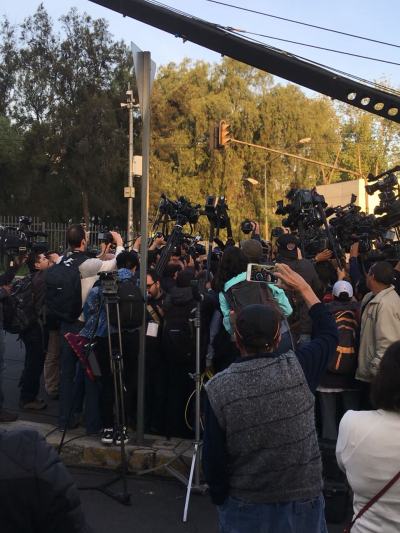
279 63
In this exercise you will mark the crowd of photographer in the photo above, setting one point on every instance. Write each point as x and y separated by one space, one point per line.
296 331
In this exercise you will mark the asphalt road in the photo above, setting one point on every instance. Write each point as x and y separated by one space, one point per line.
157 503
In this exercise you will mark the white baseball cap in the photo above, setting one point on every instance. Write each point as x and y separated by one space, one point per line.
342 286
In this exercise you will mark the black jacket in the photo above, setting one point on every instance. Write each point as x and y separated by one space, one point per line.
300 320
6 279
37 494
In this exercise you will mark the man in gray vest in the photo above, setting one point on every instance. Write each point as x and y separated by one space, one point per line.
260 454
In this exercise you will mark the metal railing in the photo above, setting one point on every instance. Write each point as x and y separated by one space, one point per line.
56 232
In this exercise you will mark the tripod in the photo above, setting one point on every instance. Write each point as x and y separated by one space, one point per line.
109 291
193 481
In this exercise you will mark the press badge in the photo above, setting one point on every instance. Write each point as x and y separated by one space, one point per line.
152 329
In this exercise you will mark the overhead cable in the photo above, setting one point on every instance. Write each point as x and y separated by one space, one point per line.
305 24
236 30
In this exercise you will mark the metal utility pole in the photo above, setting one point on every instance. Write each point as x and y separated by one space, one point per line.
266 228
298 157
144 72
129 191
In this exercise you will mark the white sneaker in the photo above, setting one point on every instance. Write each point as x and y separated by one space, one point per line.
108 436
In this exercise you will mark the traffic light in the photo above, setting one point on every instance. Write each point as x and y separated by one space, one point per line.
224 134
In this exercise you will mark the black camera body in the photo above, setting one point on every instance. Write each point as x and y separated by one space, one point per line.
109 282
20 240
389 197
180 210
303 206
216 210
246 226
350 225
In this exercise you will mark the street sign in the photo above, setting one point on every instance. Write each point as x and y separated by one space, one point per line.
138 65
137 165
129 192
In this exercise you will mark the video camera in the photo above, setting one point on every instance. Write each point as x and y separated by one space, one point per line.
20 240
109 282
246 226
389 197
216 210
304 205
180 210
351 225
307 215
189 245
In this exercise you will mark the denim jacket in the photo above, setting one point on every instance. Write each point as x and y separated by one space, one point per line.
95 301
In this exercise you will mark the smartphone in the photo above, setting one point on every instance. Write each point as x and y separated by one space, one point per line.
261 273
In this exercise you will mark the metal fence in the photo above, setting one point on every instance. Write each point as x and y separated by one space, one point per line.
55 231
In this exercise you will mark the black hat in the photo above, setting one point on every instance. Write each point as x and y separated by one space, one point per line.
258 325
287 245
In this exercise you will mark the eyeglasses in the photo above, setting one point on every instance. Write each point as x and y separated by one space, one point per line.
150 286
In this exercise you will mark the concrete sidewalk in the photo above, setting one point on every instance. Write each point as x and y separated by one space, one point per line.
80 449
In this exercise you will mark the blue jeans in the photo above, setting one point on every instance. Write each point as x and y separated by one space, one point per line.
301 516
73 380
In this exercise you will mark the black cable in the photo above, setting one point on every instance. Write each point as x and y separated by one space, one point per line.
389 90
305 24
236 30
285 53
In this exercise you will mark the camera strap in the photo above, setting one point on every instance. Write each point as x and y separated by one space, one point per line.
153 313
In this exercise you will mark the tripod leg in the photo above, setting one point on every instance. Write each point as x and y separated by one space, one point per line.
198 389
116 366
190 482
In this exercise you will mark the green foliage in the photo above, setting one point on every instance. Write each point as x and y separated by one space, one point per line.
64 149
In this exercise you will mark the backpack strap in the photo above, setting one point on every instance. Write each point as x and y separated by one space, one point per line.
154 314
372 501
229 298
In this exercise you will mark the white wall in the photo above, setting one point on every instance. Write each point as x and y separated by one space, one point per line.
340 194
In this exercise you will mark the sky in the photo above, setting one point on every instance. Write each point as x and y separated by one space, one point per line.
367 18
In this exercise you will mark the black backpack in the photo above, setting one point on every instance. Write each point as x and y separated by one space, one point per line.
63 288
18 309
246 293
130 304
345 362
178 333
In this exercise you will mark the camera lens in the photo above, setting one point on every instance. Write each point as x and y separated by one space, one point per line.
246 226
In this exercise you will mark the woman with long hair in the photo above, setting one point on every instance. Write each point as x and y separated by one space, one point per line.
231 273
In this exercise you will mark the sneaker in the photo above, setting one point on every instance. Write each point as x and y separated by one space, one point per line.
107 436
6 416
35 405
117 436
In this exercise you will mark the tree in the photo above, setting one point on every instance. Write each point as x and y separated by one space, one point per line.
10 157
8 64
67 90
